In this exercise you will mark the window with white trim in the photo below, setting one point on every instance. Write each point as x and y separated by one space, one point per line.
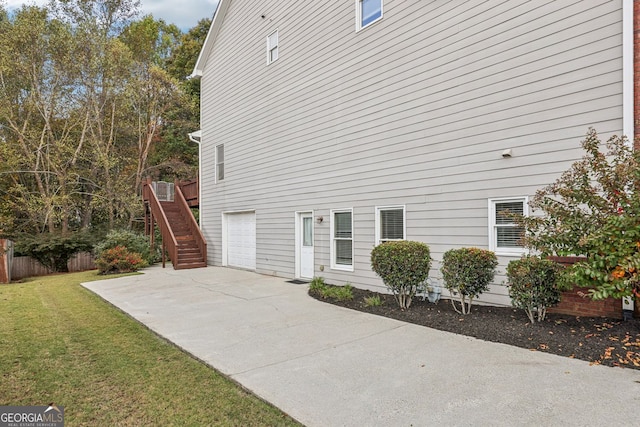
342 239
272 47
505 236
219 162
390 224
367 12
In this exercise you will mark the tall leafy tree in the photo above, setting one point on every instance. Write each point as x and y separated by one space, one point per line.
183 58
106 65
152 92
91 101
175 155
150 40
61 89
38 118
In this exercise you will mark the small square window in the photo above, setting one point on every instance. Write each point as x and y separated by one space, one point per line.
219 162
505 236
367 12
272 47
390 224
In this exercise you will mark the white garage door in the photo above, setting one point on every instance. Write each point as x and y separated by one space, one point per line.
241 240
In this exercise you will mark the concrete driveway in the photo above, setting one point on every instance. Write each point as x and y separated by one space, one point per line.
329 366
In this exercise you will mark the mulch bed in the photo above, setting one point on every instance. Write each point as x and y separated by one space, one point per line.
599 340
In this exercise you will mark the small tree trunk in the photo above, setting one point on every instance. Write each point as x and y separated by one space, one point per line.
453 303
542 313
530 314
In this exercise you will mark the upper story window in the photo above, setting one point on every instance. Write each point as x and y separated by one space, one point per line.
505 236
390 224
219 162
272 47
367 12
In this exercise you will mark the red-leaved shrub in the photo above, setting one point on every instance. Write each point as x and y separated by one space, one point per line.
119 260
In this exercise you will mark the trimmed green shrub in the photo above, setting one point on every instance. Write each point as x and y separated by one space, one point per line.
340 293
134 242
317 284
533 285
119 260
373 301
53 250
403 266
467 272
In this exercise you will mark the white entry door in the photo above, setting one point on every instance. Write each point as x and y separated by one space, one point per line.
305 245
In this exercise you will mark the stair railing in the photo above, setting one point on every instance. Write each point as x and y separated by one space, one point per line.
181 201
190 190
169 241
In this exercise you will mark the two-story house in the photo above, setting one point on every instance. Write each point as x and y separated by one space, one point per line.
329 127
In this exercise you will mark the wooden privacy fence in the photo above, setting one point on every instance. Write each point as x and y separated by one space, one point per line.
24 266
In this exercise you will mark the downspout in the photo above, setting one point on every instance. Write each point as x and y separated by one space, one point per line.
197 138
628 113
628 69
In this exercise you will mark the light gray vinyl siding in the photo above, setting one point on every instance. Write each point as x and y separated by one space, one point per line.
413 110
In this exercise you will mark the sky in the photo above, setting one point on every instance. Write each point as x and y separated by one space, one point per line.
184 13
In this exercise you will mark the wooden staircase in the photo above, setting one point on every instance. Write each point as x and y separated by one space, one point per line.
189 254
182 239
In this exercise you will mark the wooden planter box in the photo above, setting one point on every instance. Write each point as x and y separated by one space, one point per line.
576 302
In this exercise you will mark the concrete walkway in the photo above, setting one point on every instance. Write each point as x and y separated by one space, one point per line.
329 366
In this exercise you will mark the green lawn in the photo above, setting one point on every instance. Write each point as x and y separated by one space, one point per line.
60 343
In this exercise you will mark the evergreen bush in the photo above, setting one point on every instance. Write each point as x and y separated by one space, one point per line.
134 242
53 250
403 266
467 273
533 285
